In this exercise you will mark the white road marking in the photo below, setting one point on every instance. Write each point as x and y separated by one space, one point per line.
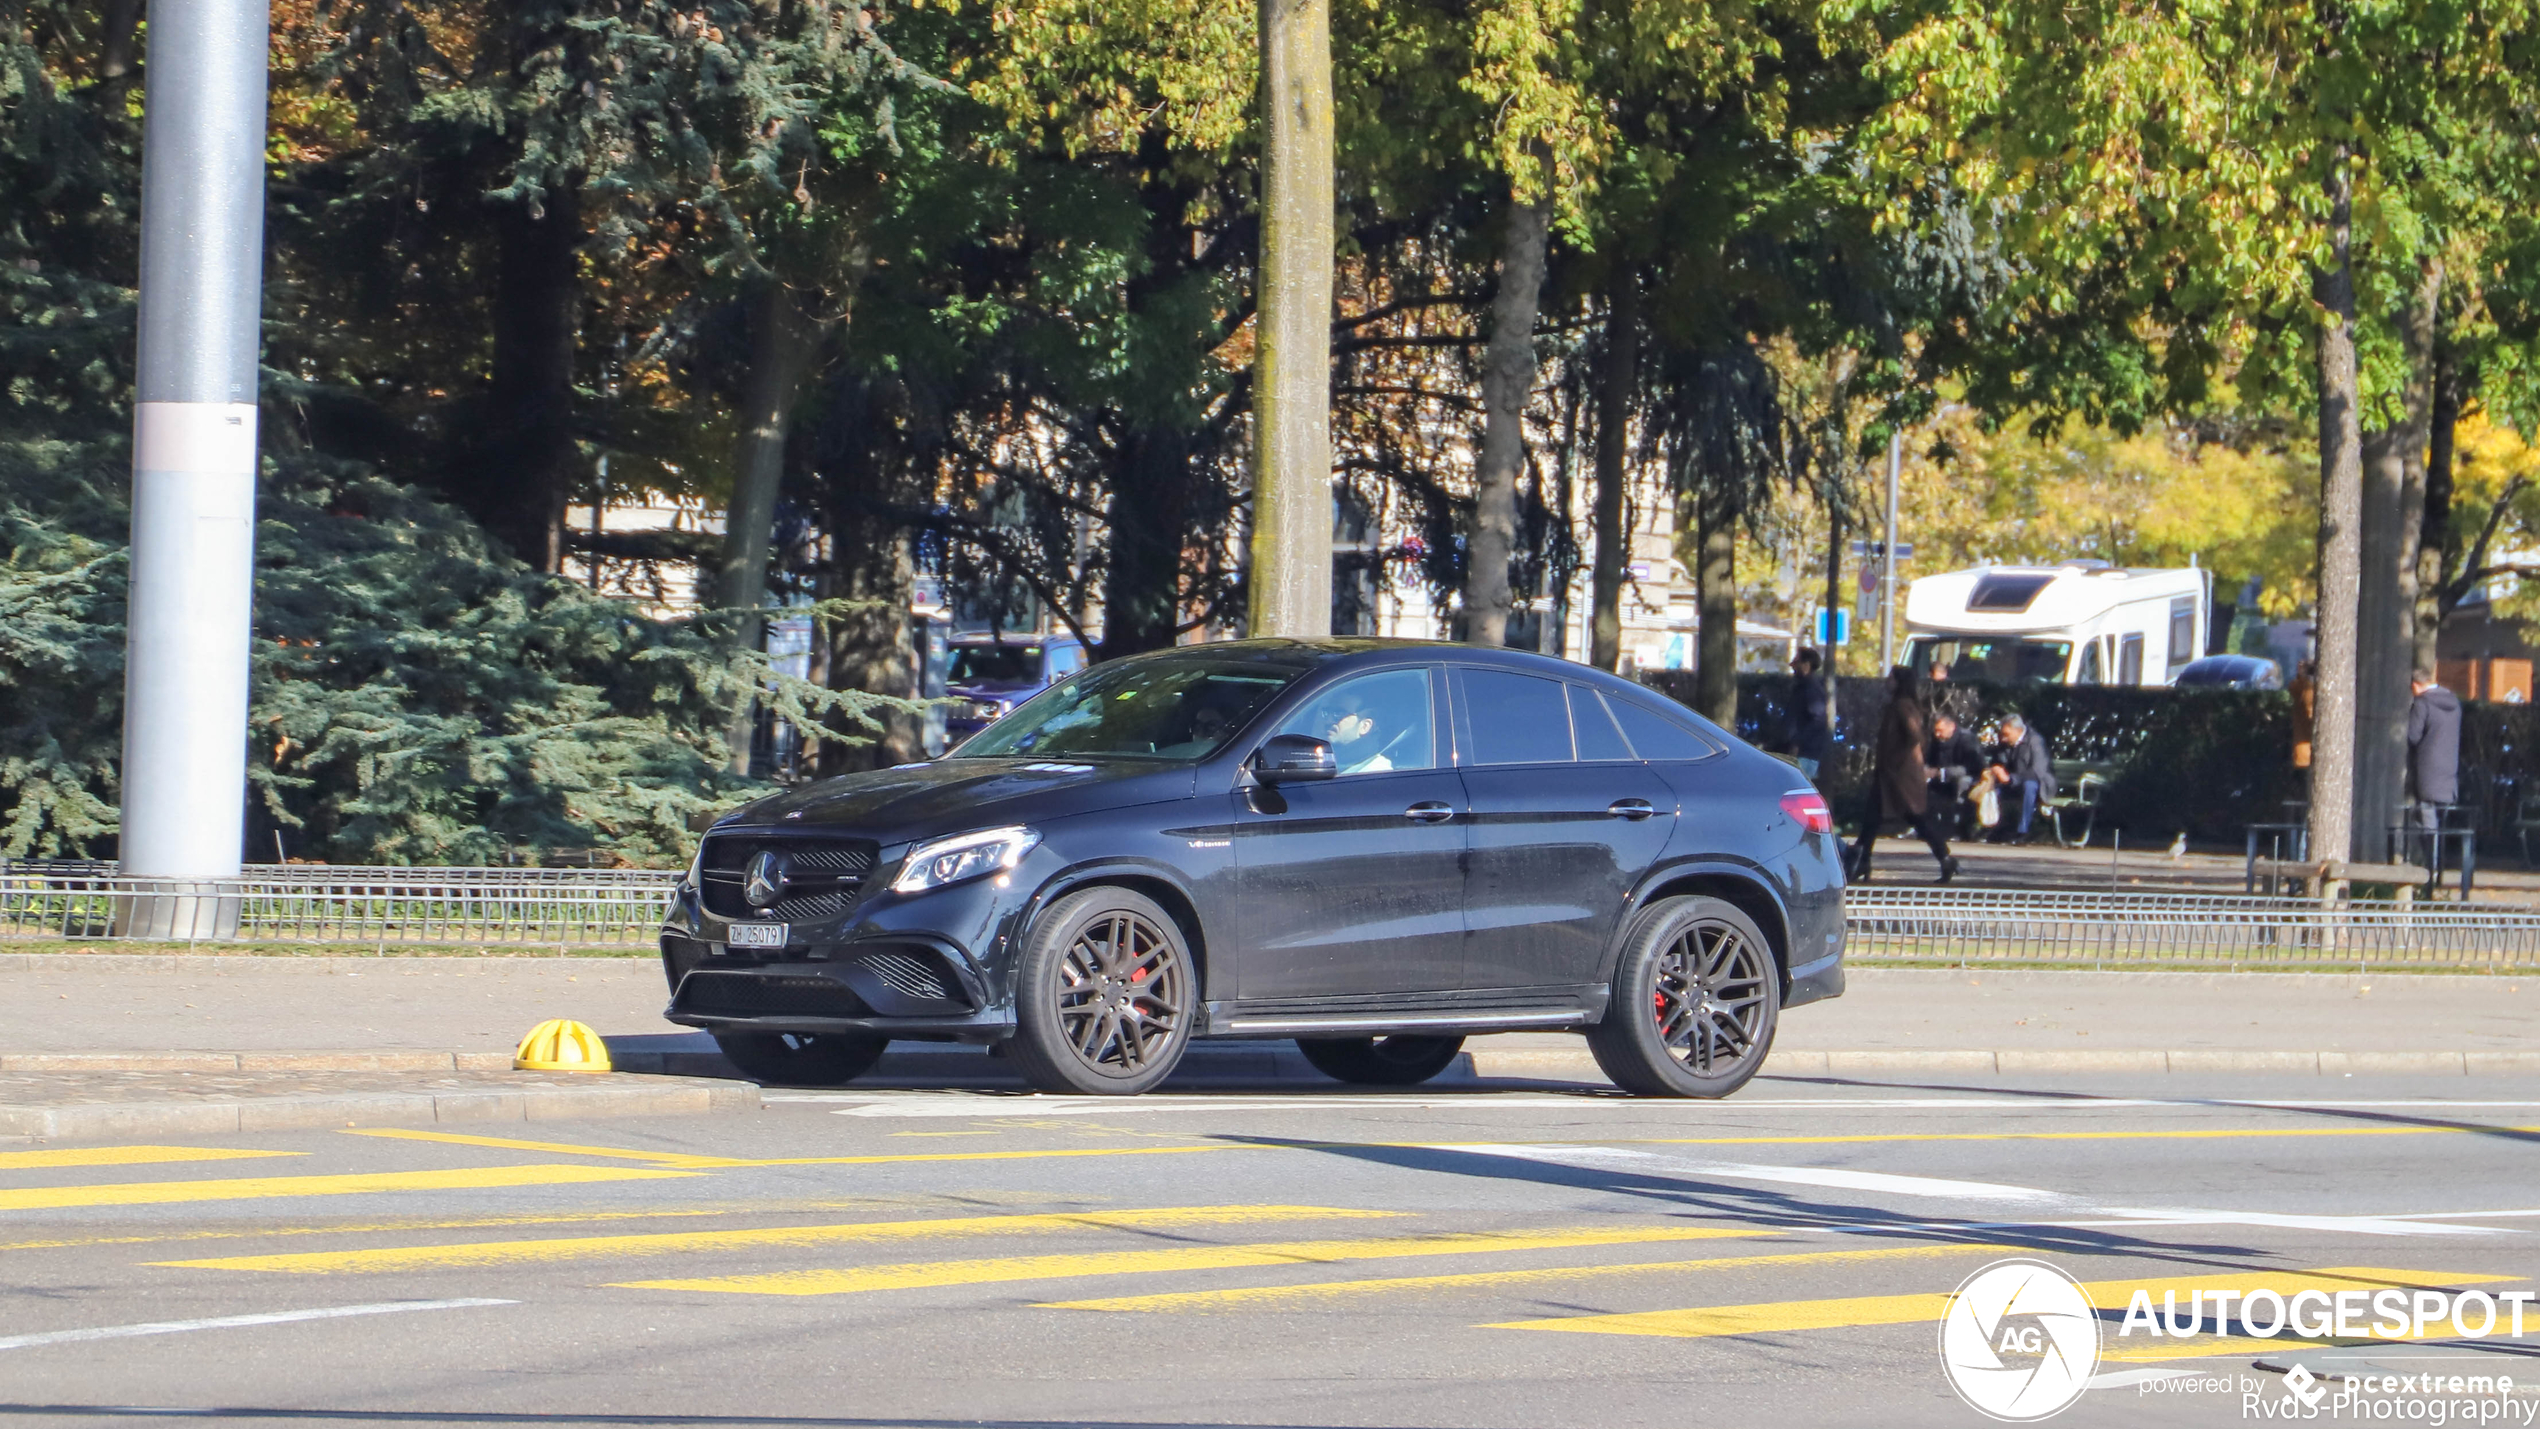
980 1103
231 1322
1747 1171
972 1105
2346 1225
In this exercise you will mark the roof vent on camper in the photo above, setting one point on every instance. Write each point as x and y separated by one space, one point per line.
2007 591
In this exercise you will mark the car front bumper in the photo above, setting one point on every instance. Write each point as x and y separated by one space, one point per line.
928 965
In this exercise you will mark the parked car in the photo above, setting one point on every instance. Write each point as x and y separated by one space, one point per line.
2233 672
1375 847
987 675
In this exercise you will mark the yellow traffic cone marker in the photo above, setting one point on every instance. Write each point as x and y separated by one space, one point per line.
559 1045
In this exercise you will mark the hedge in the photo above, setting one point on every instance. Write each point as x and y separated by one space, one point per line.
2203 761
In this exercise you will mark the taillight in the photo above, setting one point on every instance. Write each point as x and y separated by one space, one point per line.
1809 808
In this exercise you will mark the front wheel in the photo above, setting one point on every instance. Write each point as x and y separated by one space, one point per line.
1104 995
1696 1000
801 1059
1381 1061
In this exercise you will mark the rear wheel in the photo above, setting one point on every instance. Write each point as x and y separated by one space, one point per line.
1381 1061
1104 995
1696 1001
801 1059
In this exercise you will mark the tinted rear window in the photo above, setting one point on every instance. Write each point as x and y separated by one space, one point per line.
1656 736
1516 719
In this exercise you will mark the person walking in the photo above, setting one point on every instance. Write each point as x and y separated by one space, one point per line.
1899 785
2434 750
1811 734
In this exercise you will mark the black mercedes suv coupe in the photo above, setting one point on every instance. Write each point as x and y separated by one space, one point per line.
1375 847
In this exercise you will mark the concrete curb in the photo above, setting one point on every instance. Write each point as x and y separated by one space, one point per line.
257 1062
616 1097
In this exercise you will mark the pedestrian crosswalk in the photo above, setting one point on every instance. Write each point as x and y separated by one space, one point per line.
1647 1269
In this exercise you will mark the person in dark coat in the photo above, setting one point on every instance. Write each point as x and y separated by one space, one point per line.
2434 749
1955 762
1811 733
2025 769
1899 782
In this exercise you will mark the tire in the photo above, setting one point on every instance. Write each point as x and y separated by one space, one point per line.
1381 1061
1105 993
801 1059
1696 1000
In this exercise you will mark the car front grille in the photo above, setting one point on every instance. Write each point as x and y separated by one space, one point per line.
823 877
761 995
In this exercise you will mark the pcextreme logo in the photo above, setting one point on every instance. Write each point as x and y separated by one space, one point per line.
2019 1340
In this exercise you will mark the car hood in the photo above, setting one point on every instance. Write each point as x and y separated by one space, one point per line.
990 689
950 796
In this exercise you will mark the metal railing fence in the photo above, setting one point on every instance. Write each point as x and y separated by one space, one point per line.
2223 932
377 906
621 908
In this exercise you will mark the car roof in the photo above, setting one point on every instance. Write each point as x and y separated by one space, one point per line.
1377 650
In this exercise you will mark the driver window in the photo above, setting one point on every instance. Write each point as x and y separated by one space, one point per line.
1374 723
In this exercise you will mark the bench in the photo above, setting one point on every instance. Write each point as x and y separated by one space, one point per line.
2328 879
2078 785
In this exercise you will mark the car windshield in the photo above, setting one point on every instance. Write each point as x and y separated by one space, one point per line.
1002 664
1981 658
1136 709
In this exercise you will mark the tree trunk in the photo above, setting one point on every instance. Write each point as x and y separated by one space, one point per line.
118 50
1148 518
1615 386
872 641
1715 594
520 493
2434 533
2382 647
2340 549
1508 381
783 344
1291 574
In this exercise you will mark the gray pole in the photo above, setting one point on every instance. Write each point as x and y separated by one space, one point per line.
194 454
1887 594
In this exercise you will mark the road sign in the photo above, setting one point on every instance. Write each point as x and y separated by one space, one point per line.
1842 627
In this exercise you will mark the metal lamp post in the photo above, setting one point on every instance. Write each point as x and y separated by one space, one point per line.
194 462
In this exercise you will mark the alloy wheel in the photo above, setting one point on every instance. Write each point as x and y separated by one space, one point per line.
1123 993
1709 997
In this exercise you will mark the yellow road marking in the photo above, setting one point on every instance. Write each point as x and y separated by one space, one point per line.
929 1274
1493 1279
513 1252
264 1232
552 1148
681 1159
245 1188
1782 1317
127 1156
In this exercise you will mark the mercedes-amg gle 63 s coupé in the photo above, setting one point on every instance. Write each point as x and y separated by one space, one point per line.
1375 847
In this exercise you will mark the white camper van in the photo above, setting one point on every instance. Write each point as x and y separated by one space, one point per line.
2080 623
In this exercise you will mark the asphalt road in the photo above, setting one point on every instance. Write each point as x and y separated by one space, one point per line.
1477 1256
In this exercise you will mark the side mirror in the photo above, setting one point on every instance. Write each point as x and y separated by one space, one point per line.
1293 759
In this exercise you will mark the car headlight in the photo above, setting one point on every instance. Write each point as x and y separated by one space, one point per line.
940 861
984 711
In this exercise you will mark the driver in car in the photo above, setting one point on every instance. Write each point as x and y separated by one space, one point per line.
1351 728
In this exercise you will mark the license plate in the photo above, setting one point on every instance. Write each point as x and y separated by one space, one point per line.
757 935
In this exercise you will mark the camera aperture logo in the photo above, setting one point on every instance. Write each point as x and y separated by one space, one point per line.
2019 1340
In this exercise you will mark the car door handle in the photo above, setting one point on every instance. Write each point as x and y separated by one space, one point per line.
1634 809
1429 812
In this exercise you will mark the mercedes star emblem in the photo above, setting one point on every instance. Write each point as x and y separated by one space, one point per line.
765 881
